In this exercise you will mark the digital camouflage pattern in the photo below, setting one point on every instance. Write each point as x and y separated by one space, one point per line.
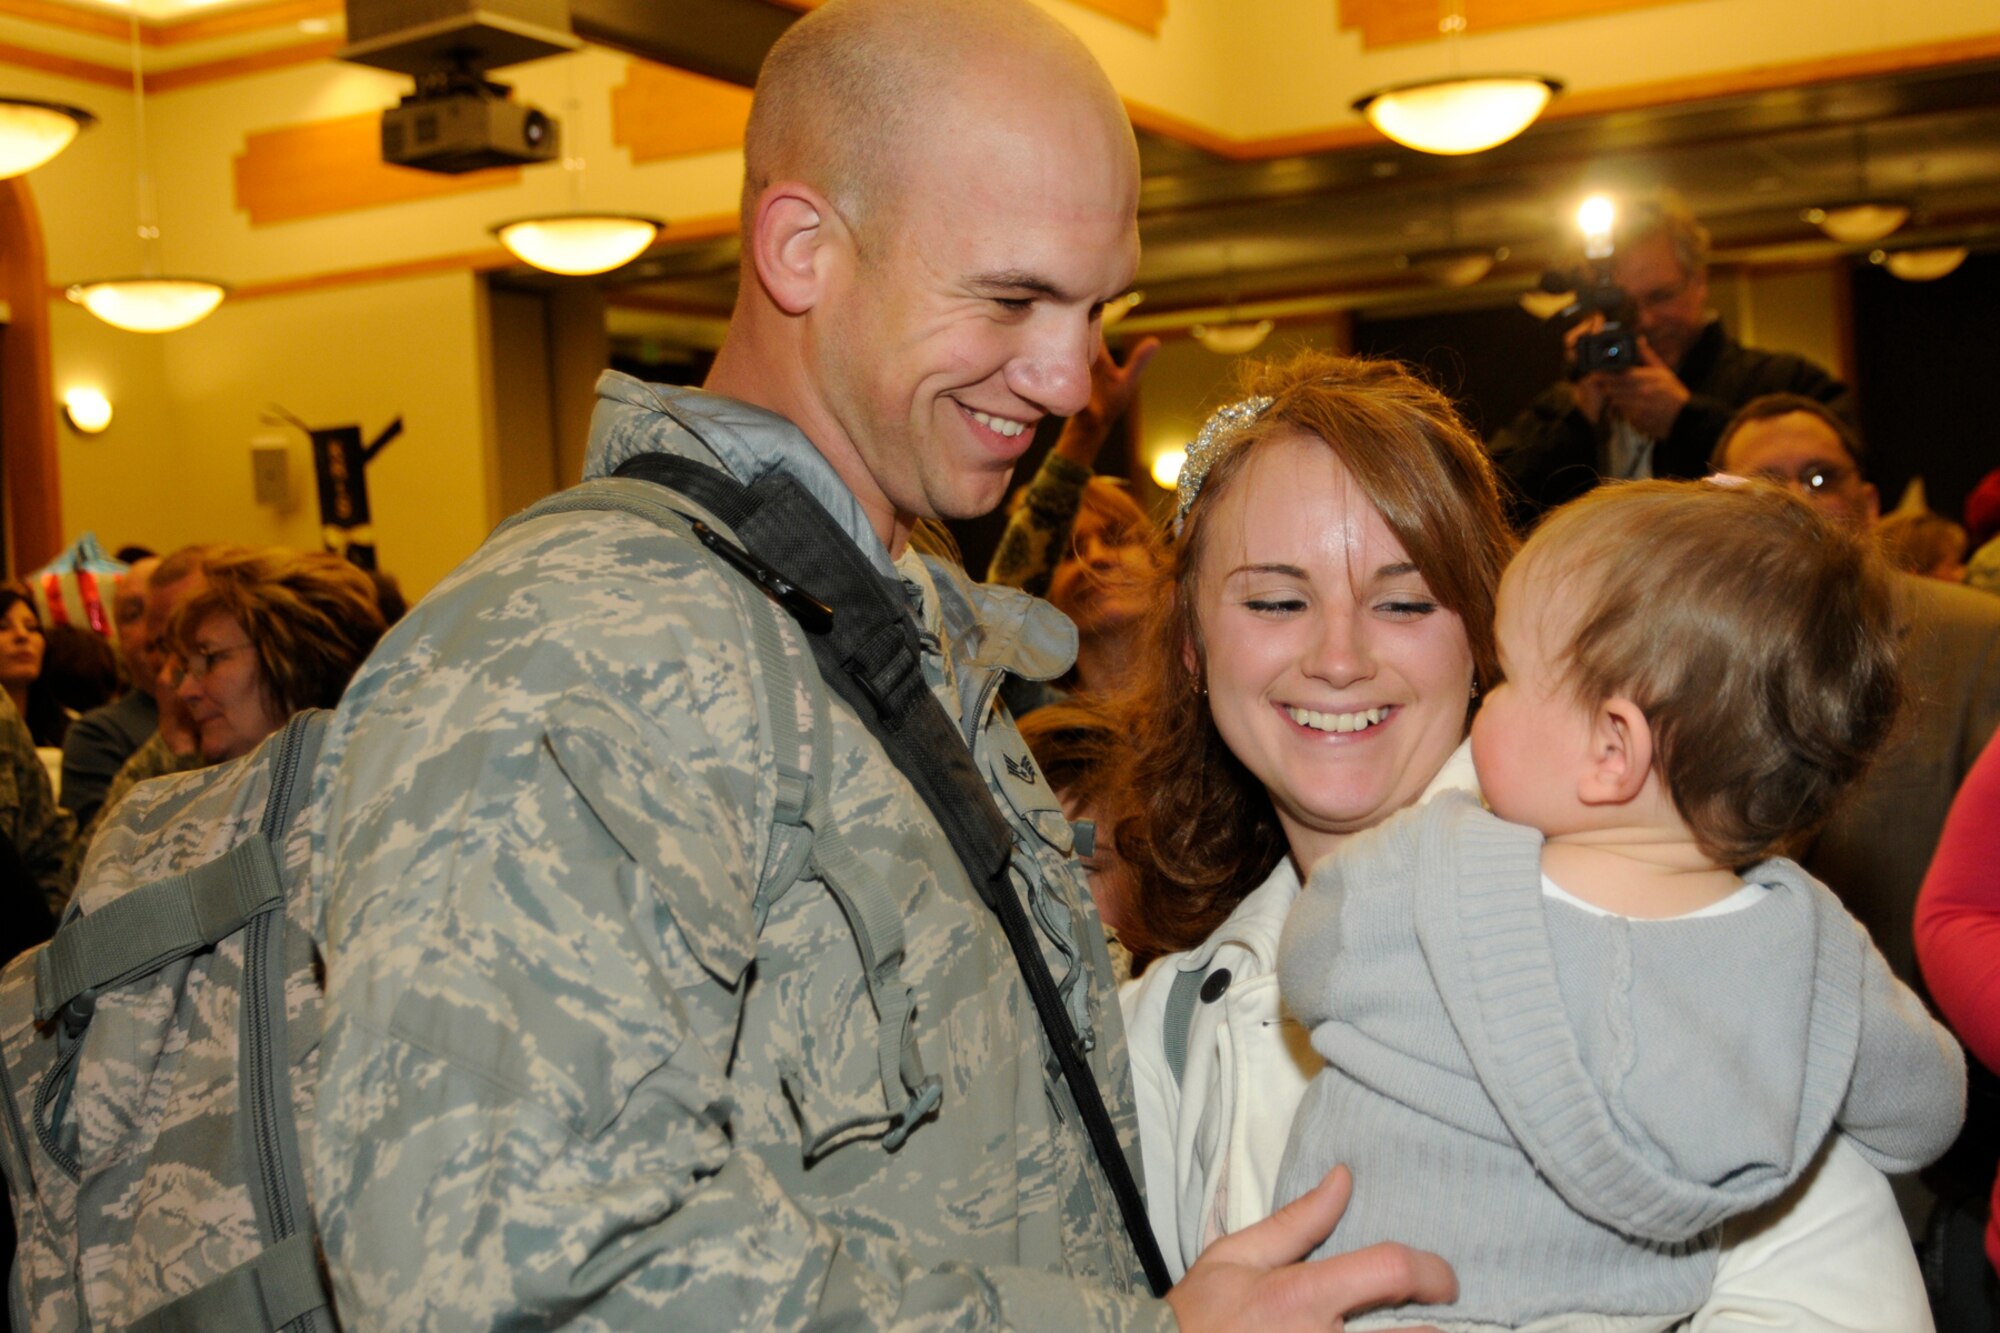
159 1200
154 759
571 1076
40 830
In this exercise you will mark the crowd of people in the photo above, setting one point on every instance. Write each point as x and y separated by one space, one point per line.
211 648
1483 883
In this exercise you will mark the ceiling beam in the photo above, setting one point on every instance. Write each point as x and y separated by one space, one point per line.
723 39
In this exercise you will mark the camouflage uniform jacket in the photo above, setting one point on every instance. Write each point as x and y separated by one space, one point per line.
1039 528
40 830
570 1074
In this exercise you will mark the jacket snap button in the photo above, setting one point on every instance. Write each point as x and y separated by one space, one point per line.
1212 989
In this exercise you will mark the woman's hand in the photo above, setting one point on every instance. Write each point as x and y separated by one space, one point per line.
1112 389
1253 1279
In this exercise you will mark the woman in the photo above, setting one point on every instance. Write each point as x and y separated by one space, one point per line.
23 645
1958 947
1317 658
1077 747
1084 542
271 633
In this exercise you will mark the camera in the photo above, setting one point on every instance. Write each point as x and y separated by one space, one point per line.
1615 344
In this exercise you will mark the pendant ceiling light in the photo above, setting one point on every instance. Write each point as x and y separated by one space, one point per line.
151 302
1234 336
578 241
1925 264
33 132
1458 113
1233 339
1119 307
1452 264
1863 219
1859 224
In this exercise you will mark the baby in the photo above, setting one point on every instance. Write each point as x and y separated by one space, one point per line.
1568 1039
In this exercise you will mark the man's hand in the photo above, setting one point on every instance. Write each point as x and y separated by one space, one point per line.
1589 389
1649 395
1112 389
1253 1280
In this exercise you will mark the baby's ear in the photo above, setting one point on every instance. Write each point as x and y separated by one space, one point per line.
1621 754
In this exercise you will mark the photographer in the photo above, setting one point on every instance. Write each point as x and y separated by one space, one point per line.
1661 415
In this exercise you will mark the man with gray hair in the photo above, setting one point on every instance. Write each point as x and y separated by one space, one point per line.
578 1067
1663 416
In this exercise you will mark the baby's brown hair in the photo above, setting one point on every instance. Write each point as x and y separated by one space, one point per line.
1758 637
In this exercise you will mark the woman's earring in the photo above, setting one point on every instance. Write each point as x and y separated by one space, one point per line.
1475 687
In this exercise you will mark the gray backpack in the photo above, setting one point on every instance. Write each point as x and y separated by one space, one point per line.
158 1060
159 1057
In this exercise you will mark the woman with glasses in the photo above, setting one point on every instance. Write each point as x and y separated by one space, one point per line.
272 633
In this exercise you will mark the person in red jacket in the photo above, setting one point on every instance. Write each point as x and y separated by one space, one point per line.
1958 948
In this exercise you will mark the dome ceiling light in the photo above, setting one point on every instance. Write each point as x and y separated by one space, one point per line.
32 132
1865 218
579 243
1923 264
1233 339
1457 113
1859 224
151 302
148 304
1460 114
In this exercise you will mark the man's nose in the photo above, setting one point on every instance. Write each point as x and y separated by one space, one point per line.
1054 373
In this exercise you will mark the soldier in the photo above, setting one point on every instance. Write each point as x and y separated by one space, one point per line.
573 1070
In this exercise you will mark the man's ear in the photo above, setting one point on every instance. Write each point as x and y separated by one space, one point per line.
1621 754
790 238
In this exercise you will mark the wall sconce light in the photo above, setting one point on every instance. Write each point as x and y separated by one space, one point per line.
86 409
1167 468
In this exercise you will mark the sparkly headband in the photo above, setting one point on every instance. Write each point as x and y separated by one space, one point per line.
1217 437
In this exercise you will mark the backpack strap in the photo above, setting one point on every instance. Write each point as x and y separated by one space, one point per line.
152 926
144 930
869 653
279 1286
804 830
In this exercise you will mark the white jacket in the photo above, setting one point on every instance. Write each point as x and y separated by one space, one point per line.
1830 1256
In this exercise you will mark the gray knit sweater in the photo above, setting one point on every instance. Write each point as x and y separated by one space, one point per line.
1567 1106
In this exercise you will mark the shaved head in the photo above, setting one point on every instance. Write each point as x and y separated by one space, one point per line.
851 90
938 201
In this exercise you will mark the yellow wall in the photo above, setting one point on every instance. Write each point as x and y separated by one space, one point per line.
175 465
1786 310
1256 68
